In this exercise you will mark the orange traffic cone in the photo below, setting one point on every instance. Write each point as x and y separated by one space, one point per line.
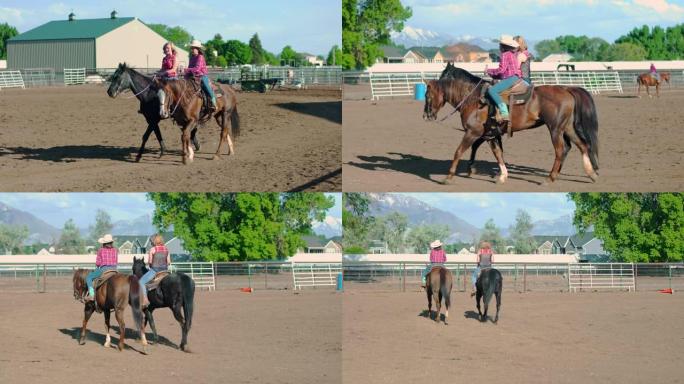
247 289
666 290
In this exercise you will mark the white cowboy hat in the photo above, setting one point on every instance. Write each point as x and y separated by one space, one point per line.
197 44
435 244
508 40
106 239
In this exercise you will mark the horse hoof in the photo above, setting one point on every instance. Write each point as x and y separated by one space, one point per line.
500 180
137 158
81 342
216 157
107 345
447 181
594 177
472 172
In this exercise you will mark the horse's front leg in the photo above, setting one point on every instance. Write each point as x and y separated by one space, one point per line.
498 305
176 309
87 312
429 297
188 153
473 152
466 142
160 139
150 318
559 148
145 136
498 153
478 296
193 138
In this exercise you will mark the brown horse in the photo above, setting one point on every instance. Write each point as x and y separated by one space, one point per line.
647 80
184 102
119 290
568 112
438 284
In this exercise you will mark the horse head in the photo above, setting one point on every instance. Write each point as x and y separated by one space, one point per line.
120 80
80 287
434 100
139 267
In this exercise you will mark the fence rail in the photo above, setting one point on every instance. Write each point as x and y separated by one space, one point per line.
601 276
315 275
11 79
74 76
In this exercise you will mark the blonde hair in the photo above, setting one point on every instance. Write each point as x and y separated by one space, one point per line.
521 42
485 245
158 239
171 45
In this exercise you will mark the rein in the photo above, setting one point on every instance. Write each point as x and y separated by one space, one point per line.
463 101
144 89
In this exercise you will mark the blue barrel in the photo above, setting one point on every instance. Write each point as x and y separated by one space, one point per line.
420 91
339 282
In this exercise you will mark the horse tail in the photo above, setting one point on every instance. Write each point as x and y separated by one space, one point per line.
491 284
188 287
586 122
234 123
134 301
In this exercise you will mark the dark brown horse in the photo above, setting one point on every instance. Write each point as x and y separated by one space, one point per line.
488 283
568 112
119 291
438 284
647 80
184 102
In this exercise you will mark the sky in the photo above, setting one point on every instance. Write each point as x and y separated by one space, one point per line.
477 208
311 26
57 208
542 19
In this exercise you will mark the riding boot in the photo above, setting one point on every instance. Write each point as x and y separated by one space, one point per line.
213 104
91 294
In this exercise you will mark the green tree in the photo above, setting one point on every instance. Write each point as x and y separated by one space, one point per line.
634 227
221 62
547 47
391 229
6 32
366 24
271 58
521 233
11 238
214 45
257 50
237 52
70 242
336 57
289 55
420 237
356 221
240 226
492 234
103 225
624 52
177 35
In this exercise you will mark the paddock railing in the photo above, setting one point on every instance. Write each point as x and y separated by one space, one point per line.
74 76
601 276
315 275
11 79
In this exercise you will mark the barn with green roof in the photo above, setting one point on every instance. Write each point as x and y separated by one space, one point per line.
88 43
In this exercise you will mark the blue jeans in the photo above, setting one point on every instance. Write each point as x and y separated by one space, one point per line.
146 278
207 88
428 268
97 273
474 275
656 76
499 87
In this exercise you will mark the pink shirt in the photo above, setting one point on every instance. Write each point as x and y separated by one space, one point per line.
437 256
107 256
508 66
169 64
197 66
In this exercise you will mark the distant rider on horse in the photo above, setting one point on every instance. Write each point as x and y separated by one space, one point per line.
485 257
508 72
198 69
654 73
437 258
159 259
107 259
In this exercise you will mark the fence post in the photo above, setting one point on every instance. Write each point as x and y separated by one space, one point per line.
44 273
266 277
524 277
249 275
403 267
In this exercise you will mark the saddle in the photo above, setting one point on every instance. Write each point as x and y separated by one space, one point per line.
520 93
106 275
154 283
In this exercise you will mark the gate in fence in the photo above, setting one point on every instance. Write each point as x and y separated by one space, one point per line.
201 273
73 76
315 275
601 276
11 79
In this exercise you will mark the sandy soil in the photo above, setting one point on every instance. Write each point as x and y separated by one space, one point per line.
79 139
540 338
262 337
388 147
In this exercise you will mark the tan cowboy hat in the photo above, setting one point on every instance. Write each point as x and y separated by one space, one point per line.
508 40
197 44
106 239
435 244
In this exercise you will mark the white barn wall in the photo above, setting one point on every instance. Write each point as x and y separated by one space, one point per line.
133 43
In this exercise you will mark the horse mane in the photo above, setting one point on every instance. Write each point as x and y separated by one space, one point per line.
79 280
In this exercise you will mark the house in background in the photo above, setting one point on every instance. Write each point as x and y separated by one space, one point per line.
377 247
587 247
427 54
315 244
129 245
391 54
466 53
313 59
557 58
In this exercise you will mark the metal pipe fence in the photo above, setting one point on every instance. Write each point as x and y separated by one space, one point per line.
519 277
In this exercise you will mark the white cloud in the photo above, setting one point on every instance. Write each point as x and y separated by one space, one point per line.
661 6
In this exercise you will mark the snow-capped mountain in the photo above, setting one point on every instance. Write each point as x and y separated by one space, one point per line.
419 213
39 230
141 225
412 36
330 227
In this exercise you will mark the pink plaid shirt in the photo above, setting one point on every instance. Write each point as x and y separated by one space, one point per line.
508 66
437 256
107 256
169 64
197 66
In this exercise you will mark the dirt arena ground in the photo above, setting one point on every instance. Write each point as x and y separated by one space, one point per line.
615 337
79 139
388 147
262 337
